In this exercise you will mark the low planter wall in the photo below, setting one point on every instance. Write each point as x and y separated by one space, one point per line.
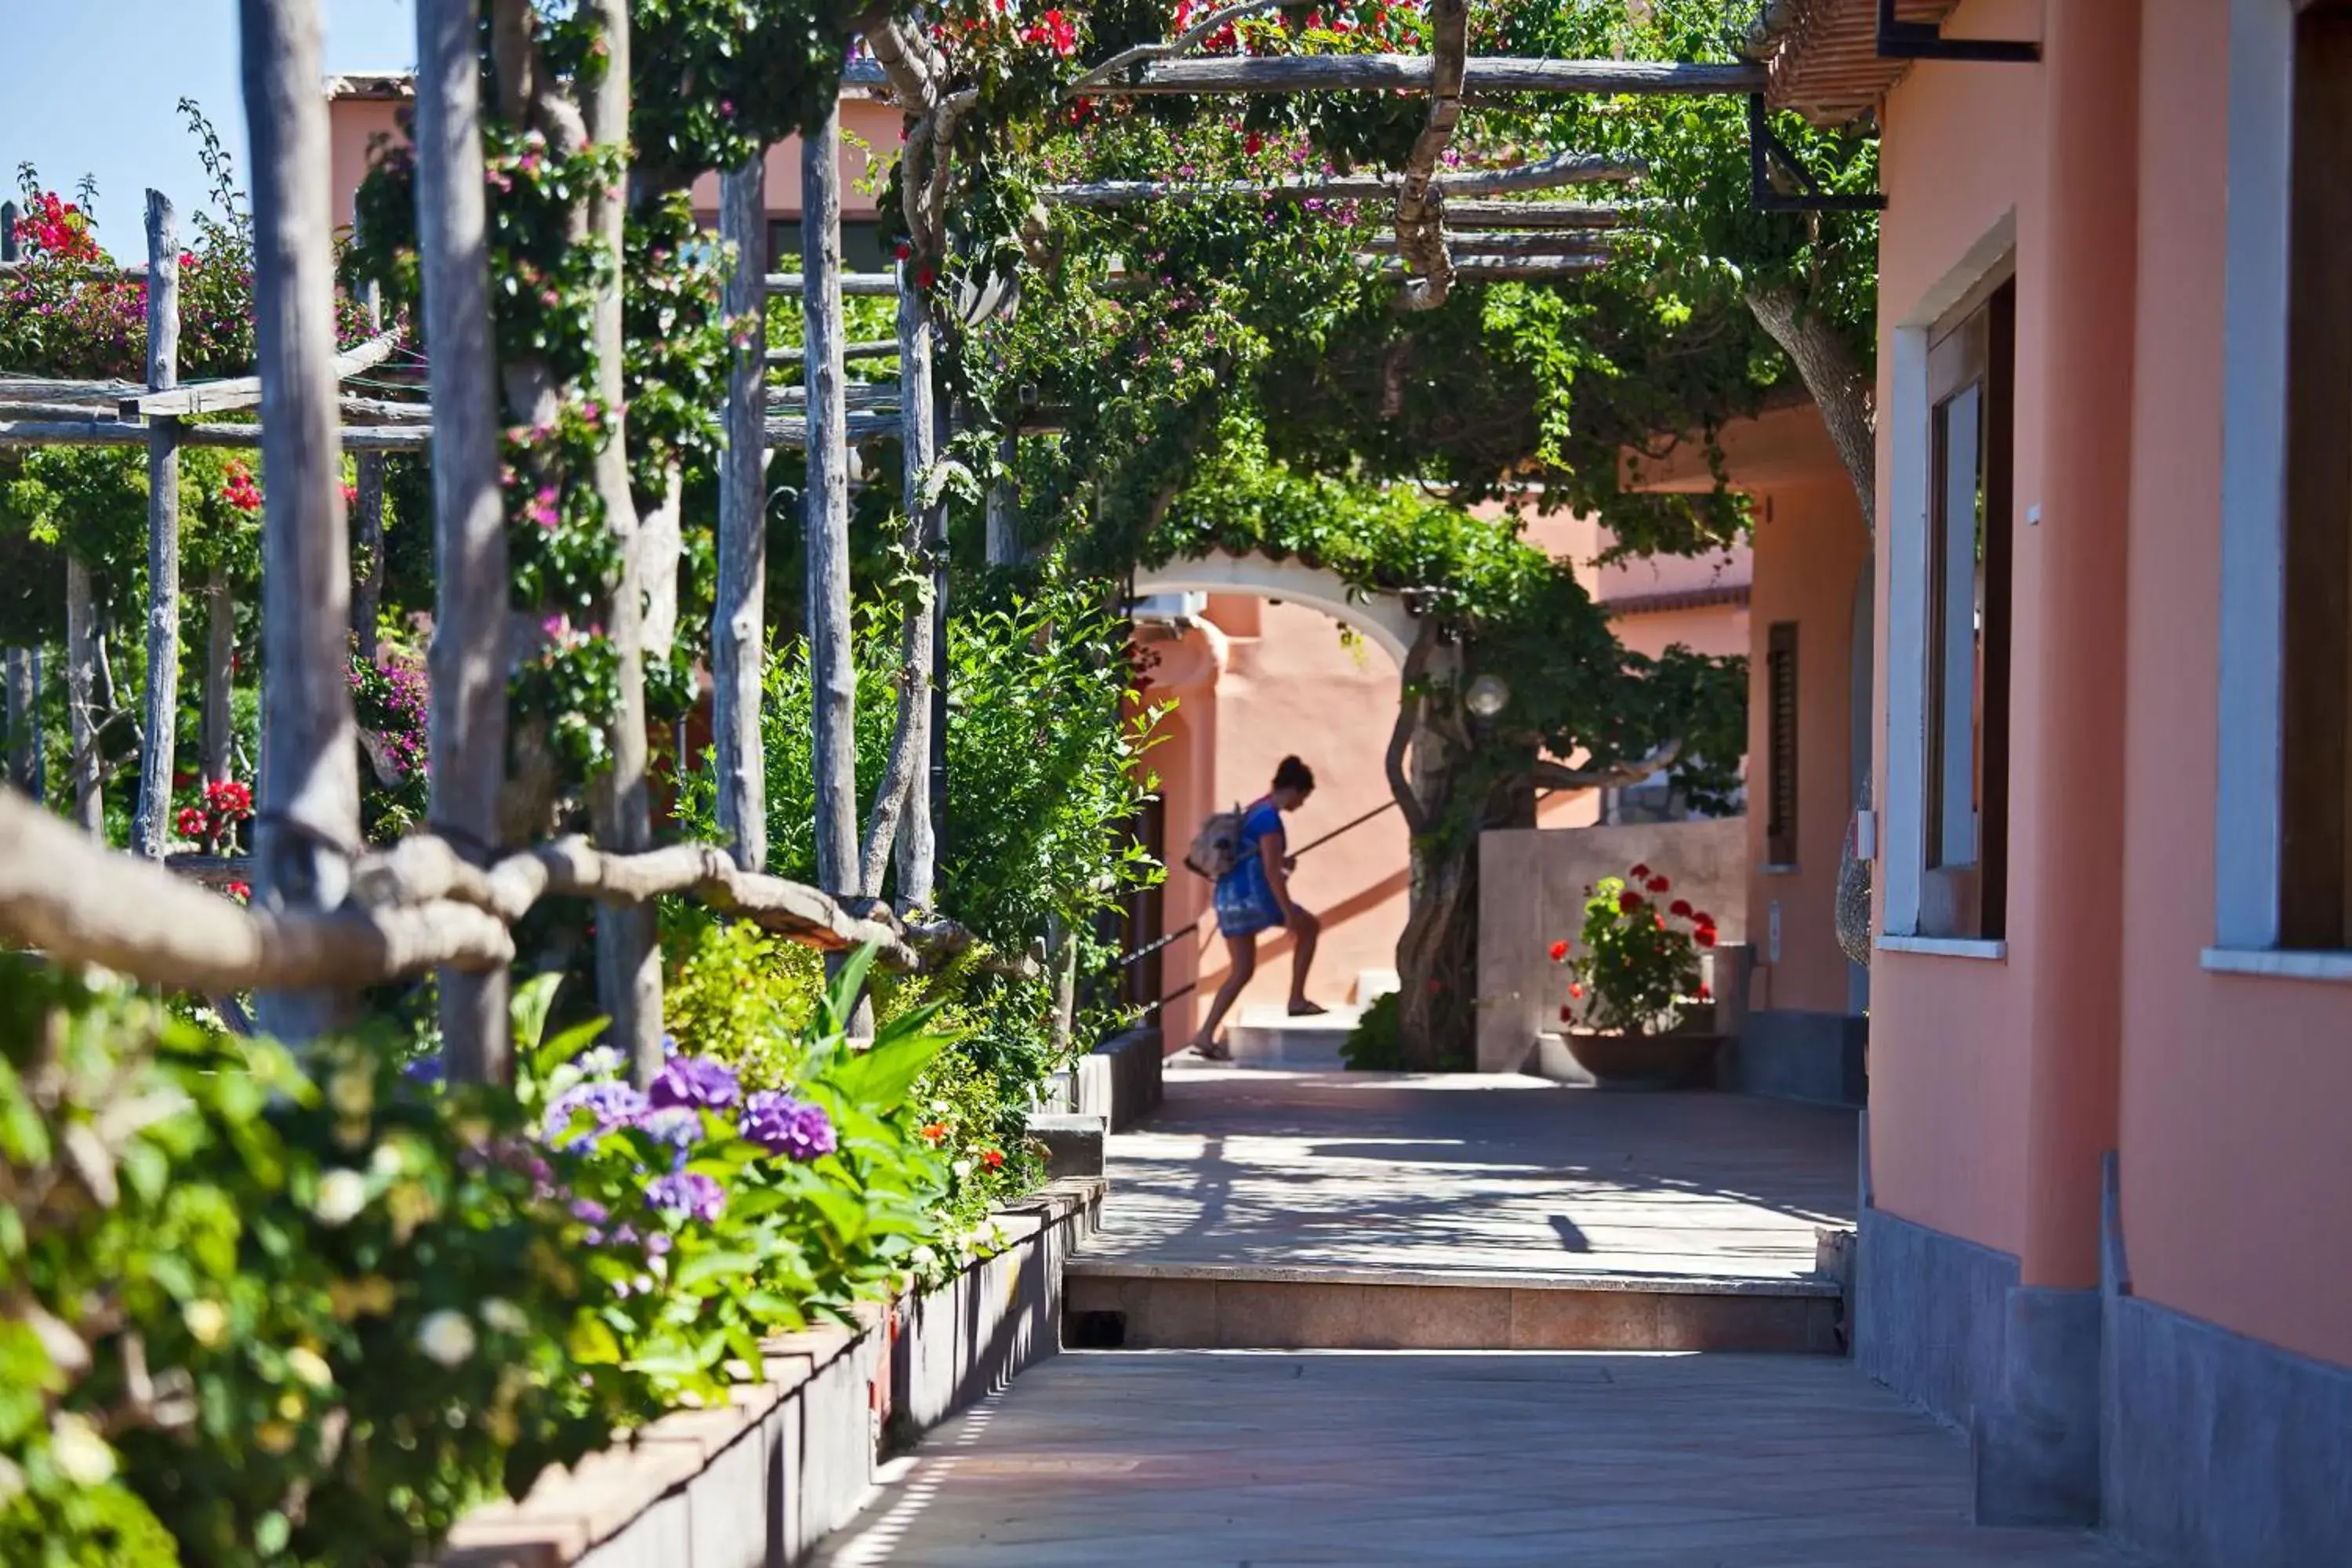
1120 1081
792 1459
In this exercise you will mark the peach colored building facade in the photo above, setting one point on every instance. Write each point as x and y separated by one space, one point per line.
2108 1219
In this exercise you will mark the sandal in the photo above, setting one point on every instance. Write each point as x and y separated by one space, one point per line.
1216 1051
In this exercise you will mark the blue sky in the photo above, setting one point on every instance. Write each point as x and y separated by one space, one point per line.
93 88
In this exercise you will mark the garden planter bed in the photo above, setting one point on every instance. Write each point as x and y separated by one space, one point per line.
790 1459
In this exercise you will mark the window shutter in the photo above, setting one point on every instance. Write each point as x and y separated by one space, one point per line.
1780 745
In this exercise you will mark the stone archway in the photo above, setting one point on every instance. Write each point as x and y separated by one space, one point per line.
1380 617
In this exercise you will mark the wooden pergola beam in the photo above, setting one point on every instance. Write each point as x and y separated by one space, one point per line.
1542 173
1472 214
1484 77
879 348
868 285
1497 268
1460 245
243 390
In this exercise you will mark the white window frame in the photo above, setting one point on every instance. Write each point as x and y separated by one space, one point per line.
2249 728
1910 415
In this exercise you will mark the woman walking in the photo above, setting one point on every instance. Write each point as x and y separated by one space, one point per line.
1254 895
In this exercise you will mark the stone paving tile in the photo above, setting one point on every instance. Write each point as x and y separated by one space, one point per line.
1483 1174
1202 1459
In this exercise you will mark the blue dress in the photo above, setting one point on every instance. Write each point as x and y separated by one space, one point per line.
1245 902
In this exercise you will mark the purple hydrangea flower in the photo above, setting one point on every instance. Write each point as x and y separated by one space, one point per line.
610 1101
679 1126
688 1192
694 1081
588 1211
782 1125
429 1070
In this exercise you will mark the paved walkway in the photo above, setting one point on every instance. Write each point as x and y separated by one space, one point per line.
1199 1458
1467 1173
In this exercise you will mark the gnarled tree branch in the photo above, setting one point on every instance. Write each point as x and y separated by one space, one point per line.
1417 664
1420 209
1552 775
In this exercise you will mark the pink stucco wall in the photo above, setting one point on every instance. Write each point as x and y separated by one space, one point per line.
1962 151
2226 1090
2237 1172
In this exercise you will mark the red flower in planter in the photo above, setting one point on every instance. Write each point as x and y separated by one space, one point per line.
240 891
1659 920
1660 884
1703 917
1680 907
1638 874
937 1132
1628 901
1706 992
1565 1015
1558 952
1704 936
993 1158
1576 991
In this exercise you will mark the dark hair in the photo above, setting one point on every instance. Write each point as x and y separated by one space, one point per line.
1292 773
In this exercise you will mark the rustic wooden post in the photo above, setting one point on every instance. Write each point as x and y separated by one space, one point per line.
739 638
628 962
1004 513
832 675
81 698
309 822
152 825
217 735
470 541
25 761
927 542
367 592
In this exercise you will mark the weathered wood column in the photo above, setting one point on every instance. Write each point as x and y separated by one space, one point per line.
628 964
26 763
467 657
833 675
367 592
216 733
918 849
152 825
308 821
81 698
738 632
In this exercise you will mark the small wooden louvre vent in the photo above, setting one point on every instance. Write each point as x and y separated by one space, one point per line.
1780 745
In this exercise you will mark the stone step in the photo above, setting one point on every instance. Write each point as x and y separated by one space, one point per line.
1124 1304
1267 1036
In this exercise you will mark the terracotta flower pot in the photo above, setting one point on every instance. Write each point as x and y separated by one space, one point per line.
1644 1061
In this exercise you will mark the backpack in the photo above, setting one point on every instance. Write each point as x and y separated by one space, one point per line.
1217 846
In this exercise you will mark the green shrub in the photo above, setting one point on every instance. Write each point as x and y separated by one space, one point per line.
1377 1042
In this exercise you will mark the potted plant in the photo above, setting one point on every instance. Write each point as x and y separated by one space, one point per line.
1639 1014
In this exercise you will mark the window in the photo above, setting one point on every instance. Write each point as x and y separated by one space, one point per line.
1964 776
2315 669
861 245
1780 744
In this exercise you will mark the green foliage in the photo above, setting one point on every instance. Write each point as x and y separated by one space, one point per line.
294 1319
1637 967
1377 1042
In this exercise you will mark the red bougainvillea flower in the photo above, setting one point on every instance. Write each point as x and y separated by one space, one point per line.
993 1158
1659 884
1628 901
902 250
1680 907
1558 952
1252 143
937 1132
1638 874
192 822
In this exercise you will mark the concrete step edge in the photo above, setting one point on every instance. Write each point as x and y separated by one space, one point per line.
1083 1266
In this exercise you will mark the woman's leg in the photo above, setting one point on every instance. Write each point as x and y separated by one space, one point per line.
1304 928
1240 962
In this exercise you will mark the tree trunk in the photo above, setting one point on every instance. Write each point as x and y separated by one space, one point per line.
628 962
217 734
1841 389
81 700
833 676
151 824
25 759
367 593
468 655
308 826
902 807
738 634
1004 511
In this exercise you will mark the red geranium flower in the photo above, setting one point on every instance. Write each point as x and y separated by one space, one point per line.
1558 952
1680 907
240 891
1659 884
937 1132
1704 936
1638 874
1703 917
1576 991
1628 901
991 1158
1705 993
